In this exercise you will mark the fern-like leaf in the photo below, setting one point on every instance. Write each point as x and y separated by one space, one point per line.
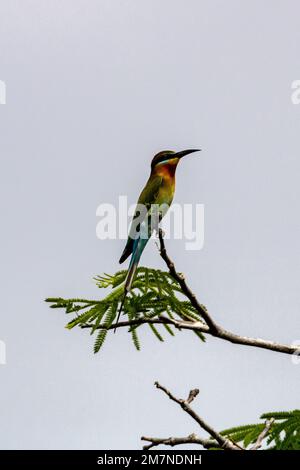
154 293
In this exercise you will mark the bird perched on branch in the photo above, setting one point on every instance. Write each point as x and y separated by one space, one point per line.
153 204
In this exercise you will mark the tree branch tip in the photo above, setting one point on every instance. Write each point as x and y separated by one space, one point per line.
192 395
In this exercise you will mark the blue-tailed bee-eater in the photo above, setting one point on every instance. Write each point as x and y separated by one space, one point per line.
158 194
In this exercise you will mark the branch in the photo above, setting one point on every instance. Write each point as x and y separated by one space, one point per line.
216 440
176 441
220 440
263 434
141 321
185 289
213 328
210 327
199 326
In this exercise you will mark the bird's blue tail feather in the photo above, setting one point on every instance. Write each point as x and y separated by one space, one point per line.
138 248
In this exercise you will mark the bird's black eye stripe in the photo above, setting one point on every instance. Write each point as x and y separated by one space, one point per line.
155 161
160 158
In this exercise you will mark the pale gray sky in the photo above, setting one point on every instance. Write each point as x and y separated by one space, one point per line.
94 89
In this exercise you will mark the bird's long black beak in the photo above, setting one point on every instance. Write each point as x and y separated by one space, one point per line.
183 153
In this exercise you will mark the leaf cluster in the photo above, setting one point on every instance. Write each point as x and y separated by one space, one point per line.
283 435
154 293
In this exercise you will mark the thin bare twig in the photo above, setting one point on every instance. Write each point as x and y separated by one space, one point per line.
216 439
222 441
263 434
192 395
176 441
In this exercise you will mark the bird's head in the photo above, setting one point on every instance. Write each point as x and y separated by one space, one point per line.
169 157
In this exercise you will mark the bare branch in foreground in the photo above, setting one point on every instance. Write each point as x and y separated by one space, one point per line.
216 440
176 441
220 440
192 395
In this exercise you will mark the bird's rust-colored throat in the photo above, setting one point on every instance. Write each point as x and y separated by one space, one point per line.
166 169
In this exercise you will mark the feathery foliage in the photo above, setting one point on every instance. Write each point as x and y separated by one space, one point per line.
283 435
154 292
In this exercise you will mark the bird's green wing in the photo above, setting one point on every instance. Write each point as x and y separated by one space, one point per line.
149 194
147 197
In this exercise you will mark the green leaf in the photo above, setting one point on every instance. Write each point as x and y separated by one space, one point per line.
156 333
100 340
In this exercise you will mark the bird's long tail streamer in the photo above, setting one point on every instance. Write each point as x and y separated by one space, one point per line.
128 282
138 248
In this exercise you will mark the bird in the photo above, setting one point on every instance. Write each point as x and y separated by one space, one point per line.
153 204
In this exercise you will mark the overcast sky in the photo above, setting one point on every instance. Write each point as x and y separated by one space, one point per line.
94 89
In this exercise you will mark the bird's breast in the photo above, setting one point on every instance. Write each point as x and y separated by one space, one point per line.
166 192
